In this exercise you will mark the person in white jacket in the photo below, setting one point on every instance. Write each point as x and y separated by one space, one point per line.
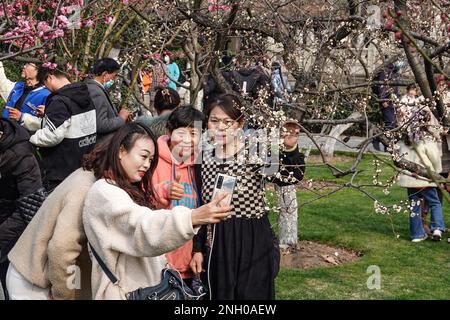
6 85
420 145
120 226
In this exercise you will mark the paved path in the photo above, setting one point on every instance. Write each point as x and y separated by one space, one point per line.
305 142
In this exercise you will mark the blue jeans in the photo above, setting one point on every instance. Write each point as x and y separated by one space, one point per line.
430 195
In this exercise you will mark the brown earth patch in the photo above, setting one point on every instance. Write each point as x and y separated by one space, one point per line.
309 254
331 160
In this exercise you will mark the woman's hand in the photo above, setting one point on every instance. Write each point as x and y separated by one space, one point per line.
196 263
176 189
211 213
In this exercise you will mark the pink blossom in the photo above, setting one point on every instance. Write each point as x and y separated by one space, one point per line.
89 23
108 20
41 10
219 8
126 2
43 26
49 65
65 10
215 6
58 33
63 19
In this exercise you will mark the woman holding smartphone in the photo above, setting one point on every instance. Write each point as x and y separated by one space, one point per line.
240 253
121 225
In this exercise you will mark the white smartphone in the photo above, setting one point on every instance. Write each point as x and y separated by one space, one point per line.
224 183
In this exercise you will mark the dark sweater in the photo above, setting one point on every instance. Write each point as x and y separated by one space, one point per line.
20 183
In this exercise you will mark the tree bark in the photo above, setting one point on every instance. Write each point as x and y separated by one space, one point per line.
336 132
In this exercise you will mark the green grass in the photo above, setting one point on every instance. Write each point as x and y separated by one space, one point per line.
347 219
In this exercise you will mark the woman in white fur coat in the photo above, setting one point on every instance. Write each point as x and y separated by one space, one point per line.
126 233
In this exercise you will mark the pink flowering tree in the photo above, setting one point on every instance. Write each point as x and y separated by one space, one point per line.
75 32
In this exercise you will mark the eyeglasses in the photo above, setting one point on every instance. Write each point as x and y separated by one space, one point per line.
227 122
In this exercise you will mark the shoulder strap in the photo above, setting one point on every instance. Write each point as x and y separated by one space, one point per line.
105 269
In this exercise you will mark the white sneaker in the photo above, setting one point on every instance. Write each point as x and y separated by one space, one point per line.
419 239
437 235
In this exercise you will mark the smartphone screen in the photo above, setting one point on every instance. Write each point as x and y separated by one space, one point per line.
32 107
224 184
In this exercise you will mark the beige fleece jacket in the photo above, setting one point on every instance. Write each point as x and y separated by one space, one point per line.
427 153
54 241
131 239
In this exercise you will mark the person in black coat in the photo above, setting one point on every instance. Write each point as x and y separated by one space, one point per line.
104 71
69 128
21 192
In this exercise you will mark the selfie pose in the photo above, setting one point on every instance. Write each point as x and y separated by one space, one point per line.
240 253
124 232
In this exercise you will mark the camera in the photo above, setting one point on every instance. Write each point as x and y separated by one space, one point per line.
219 182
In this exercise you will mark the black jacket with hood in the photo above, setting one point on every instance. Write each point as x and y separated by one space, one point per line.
68 131
21 192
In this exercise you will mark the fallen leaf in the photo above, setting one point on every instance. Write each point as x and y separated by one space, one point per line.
330 259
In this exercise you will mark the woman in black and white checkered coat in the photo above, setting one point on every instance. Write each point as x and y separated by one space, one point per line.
240 254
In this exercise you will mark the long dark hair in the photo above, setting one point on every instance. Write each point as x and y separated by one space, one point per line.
104 161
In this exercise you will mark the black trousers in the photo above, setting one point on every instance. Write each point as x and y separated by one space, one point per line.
244 261
388 115
3 270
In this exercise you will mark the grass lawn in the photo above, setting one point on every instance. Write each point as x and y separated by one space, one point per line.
347 219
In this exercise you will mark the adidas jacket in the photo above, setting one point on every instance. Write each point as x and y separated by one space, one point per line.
68 131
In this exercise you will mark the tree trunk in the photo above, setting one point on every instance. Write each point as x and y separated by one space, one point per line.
288 216
335 133
413 57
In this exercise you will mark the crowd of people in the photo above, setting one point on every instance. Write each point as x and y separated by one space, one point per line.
85 186
89 191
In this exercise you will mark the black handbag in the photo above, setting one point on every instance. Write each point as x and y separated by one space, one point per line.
171 287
